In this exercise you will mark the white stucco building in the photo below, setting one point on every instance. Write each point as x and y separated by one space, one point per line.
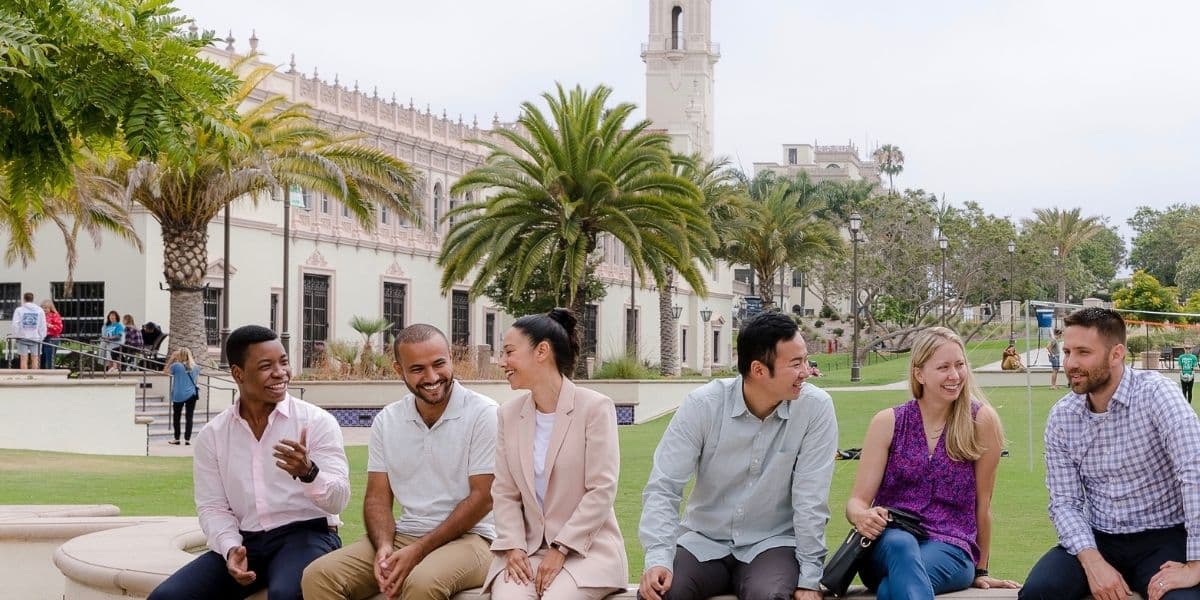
337 269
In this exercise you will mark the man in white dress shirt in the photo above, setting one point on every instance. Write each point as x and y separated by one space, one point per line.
432 452
271 478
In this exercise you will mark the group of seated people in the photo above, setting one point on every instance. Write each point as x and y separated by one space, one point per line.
519 498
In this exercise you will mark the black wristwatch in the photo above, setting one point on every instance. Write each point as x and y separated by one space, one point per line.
311 474
559 547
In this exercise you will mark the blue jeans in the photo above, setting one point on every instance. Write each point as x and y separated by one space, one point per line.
901 568
48 349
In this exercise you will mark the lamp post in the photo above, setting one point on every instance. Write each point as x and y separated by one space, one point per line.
677 310
855 227
1012 313
943 243
285 336
1058 275
705 368
224 364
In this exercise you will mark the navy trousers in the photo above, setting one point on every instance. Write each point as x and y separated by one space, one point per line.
1136 556
277 557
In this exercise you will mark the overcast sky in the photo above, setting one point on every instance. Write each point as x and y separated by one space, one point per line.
1016 105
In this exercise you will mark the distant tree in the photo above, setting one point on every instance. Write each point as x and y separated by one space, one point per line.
1145 293
1159 241
538 295
891 162
1100 257
1066 230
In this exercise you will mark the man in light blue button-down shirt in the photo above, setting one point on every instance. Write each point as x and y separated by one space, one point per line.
761 448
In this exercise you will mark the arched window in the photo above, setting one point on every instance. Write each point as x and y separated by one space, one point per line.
832 166
677 28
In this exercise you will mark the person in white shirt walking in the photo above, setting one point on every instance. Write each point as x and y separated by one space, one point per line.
271 477
29 329
432 453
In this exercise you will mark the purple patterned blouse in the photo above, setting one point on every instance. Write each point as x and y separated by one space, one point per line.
939 489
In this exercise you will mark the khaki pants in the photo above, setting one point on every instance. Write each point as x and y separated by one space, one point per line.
349 573
562 588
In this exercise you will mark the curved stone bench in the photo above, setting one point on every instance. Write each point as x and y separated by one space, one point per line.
132 556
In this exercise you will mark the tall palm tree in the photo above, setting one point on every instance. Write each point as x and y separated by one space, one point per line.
891 162
1067 230
559 184
723 207
92 205
284 146
782 228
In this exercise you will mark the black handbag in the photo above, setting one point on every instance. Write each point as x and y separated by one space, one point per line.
846 561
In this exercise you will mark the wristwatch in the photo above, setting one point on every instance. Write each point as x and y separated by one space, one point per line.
557 546
311 474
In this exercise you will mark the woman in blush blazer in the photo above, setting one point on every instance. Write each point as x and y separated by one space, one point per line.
557 459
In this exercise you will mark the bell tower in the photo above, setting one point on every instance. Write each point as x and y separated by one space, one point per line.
679 57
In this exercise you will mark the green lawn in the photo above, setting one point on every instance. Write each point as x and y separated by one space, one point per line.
156 486
835 369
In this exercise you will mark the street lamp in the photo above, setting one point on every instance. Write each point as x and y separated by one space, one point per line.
1058 275
943 243
285 336
224 364
705 315
855 227
675 312
1012 313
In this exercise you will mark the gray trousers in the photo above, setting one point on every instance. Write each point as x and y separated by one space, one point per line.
771 575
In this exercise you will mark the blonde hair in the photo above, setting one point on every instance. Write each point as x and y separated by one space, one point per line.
48 306
961 442
127 320
184 355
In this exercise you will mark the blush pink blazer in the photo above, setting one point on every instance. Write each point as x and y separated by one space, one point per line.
584 460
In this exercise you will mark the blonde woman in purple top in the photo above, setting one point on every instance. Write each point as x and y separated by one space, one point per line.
934 456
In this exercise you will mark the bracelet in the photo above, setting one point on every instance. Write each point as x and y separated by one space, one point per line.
980 572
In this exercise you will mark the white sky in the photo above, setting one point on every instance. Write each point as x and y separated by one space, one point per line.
1014 104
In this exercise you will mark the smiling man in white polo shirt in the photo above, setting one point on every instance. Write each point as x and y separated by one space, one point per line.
433 454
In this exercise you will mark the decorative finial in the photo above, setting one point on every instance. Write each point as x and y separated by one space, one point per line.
474 121
427 111
253 41
336 81
375 92
410 103
460 119
229 41
193 30
496 119
316 75
393 98
292 64
443 114
355 86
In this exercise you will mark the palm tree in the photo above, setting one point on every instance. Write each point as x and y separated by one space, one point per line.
562 182
93 204
284 146
782 228
891 161
368 327
1067 230
723 208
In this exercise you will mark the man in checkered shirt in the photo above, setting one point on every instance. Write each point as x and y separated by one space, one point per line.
1123 468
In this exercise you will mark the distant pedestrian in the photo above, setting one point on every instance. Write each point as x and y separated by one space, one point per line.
29 329
54 329
1187 367
111 338
1054 351
184 391
133 340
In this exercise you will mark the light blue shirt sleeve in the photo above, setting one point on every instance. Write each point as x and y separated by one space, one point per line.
675 461
811 478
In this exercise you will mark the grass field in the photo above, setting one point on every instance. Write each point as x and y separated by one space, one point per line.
835 370
163 486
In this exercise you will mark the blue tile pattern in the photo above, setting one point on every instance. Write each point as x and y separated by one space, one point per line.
624 414
354 417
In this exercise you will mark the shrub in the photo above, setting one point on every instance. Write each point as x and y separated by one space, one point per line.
819 324
625 367
838 331
827 312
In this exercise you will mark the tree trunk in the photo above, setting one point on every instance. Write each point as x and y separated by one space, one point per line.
766 287
185 260
667 326
577 307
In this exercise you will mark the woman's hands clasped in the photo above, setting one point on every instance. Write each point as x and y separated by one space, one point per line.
871 522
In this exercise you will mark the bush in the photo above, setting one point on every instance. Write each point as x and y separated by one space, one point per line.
625 367
819 324
827 312
838 331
